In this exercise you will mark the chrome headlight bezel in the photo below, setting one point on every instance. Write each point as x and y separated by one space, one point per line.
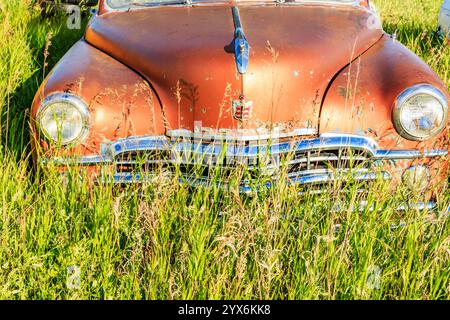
406 95
76 102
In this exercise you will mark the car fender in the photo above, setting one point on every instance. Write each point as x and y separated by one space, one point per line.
361 98
120 101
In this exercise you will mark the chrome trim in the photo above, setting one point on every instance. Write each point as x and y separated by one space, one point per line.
193 152
354 3
241 135
404 206
326 141
245 187
126 7
72 99
418 206
363 205
81 161
320 178
407 94
156 143
409 154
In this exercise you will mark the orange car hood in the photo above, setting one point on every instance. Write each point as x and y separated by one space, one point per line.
185 54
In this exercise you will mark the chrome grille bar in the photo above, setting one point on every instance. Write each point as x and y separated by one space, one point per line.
110 152
309 161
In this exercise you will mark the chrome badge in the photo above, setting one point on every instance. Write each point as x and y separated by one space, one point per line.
242 109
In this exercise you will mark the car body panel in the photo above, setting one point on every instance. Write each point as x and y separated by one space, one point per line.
183 60
188 50
360 99
120 101
291 64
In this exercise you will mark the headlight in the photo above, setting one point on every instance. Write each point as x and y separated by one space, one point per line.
420 112
64 118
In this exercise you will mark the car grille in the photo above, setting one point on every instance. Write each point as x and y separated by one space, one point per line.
306 161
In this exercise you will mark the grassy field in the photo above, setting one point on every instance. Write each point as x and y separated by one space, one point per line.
165 241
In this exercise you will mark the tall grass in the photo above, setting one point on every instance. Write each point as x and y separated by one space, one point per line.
414 23
164 240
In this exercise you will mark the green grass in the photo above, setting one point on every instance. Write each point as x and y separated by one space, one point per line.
165 241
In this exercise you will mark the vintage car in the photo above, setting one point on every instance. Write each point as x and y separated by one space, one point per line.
224 82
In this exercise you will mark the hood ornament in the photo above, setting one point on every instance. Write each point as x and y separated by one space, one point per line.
241 48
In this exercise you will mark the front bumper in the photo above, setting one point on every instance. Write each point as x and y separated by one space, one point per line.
310 161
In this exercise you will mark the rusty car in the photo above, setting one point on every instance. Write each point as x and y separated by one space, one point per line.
316 79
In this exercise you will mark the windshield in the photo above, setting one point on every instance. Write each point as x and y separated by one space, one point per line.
123 4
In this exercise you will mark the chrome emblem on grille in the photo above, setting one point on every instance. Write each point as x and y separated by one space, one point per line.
242 109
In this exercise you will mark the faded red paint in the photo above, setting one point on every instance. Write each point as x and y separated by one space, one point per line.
295 52
361 98
120 101
186 48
